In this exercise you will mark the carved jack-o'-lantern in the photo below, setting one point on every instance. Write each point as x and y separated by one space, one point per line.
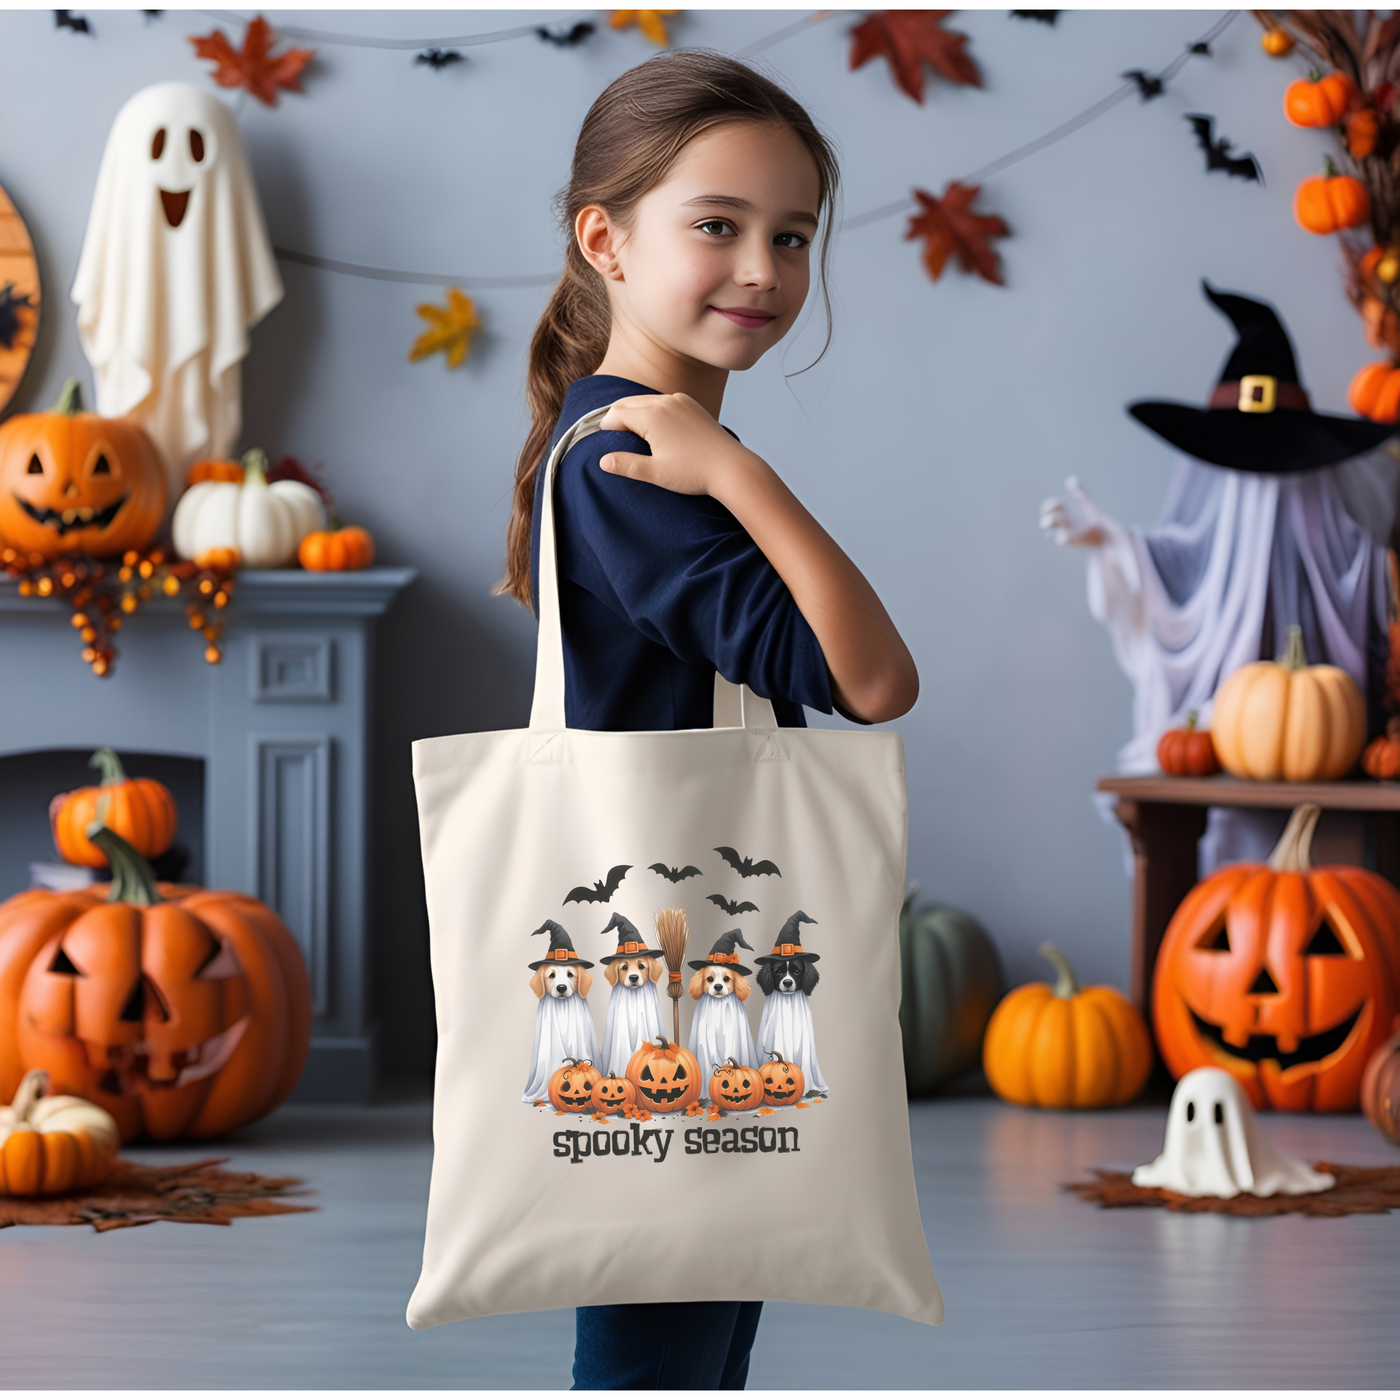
736 1087
783 1084
665 1076
76 483
571 1086
183 1013
612 1093
1286 976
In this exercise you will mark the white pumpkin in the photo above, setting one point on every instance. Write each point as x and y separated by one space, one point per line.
265 522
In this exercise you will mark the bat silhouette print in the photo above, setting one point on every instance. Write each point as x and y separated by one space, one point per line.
674 875
732 906
602 891
746 865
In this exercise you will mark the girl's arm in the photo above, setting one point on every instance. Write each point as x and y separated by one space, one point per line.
873 676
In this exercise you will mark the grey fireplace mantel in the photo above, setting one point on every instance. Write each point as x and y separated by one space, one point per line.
281 726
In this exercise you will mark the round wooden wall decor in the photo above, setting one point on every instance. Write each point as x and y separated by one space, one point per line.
19 299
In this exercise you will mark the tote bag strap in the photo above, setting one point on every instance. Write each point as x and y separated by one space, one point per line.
735 706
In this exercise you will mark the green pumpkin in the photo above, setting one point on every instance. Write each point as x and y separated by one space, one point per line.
952 981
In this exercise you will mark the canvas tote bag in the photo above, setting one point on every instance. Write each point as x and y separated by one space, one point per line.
547 850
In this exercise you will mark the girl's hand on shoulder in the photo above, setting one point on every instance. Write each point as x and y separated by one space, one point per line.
690 452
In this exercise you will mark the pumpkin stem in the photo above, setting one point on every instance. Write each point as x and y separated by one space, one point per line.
1191 718
1294 850
133 881
255 466
70 401
32 1088
1328 169
1294 657
111 766
1065 985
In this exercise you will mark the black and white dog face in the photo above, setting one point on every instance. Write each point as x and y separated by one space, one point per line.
788 975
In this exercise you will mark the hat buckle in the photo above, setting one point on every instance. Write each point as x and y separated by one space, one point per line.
1258 393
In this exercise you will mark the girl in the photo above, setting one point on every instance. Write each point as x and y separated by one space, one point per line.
697 192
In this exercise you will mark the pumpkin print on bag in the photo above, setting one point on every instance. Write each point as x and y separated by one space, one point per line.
571 1086
1284 975
783 1084
736 1087
612 1093
181 1012
665 1075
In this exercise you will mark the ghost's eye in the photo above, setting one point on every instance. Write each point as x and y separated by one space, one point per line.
1220 1113
1191 1110
158 144
196 146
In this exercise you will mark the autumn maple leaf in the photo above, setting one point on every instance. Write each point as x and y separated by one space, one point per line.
254 67
948 226
908 39
650 22
450 328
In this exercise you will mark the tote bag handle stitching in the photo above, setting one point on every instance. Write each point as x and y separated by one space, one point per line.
736 707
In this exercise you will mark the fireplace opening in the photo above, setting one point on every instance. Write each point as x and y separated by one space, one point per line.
29 781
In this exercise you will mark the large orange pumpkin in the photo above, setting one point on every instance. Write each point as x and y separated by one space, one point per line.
1330 202
182 1012
1318 100
52 1144
140 810
665 1075
736 1087
76 483
1286 976
1375 389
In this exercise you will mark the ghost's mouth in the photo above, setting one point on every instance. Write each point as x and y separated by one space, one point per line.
174 202
1311 1048
130 1064
74 518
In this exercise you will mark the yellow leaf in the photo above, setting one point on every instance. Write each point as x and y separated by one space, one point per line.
650 22
450 328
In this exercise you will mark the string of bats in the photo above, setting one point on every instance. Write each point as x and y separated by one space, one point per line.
602 891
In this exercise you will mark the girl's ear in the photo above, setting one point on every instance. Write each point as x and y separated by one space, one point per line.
537 982
585 981
612 974
656 970
697 984
741 987
598 239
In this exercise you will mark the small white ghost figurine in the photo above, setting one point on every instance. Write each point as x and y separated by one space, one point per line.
175 268
1215 1146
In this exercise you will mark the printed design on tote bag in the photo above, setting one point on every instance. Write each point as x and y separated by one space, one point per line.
634 1006
672 874
746 865
733 906
788 980
563 1023
719 1029
602 891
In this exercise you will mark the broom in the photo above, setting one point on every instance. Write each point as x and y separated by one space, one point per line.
672 933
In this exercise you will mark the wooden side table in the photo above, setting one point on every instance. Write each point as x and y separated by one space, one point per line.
1165 818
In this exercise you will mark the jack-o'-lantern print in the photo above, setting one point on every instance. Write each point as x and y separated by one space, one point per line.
1284 975
665 1076
736 1087
571 1086
613 1093
783 1084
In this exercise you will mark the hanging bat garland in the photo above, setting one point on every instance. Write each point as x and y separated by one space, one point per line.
1040 16
566 38
674 875
1148 87
731 906
746 865
438 59
1217 150
10 307
66 19
602 891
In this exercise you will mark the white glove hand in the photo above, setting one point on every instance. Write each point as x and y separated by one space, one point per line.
1057 522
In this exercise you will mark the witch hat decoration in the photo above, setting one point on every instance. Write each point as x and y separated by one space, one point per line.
723 954
630 943
789 944
561 946
1259 418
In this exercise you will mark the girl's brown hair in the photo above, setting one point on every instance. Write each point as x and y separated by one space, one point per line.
626 147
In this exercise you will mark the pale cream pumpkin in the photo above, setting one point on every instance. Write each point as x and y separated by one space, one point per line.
1287 720
52 1145
264 521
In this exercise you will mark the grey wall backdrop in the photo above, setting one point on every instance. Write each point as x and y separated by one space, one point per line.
926 439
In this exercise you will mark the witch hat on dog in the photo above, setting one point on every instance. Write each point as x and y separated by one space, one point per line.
561 946
723 954
1259 418
630 943
789 944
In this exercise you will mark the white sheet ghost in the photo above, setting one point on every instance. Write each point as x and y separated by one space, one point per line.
1215 1146
175 268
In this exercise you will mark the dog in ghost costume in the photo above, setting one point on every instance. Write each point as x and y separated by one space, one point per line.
634 1007
176 268
719 1029
788 979
563 1023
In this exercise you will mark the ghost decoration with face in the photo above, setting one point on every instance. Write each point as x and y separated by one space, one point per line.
564 1027
175 268
1215 1146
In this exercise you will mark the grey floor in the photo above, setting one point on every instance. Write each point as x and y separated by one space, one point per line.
1042 1291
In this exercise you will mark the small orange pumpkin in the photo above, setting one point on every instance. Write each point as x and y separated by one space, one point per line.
665 1075
1375 391
735 1087
1360 131
1330 202
571 1086
140 810
53 1145
215 471
1318 100
1380 1089
332 551
783 1082
1188 752
612 1092
1275 42
1382 756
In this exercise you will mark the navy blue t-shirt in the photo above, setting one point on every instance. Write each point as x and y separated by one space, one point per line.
658 591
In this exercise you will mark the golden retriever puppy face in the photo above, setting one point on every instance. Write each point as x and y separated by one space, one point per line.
560 981
634 972
718 982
